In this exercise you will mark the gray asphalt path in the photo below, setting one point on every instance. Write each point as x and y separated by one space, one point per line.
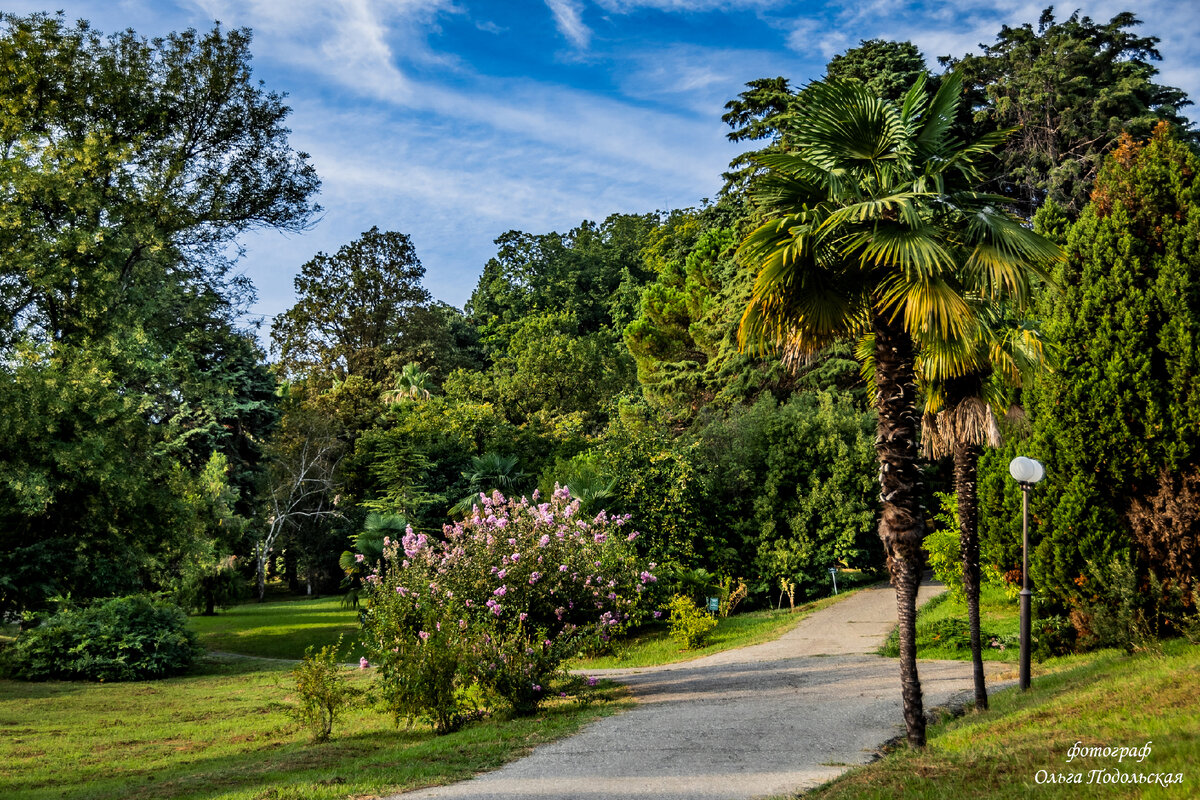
762 720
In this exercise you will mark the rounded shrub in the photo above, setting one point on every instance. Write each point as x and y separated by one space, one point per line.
501 602
119 639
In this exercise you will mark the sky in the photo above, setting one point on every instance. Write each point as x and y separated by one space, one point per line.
454 121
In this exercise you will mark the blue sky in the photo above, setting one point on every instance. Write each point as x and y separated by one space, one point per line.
454 121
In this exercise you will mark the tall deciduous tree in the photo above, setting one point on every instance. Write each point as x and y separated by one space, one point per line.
128 168
354 309
1070 89
871 223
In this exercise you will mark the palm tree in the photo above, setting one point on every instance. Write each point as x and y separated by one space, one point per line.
870 224
411 383
588 484
960 419
489 472
368 551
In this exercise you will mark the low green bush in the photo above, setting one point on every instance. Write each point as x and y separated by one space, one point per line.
689 625
119 639
323 690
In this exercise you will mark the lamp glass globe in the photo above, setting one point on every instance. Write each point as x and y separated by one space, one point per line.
1022 469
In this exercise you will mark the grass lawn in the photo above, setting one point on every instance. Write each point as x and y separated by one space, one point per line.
652 644
221 733
1104 699
281 629
999 618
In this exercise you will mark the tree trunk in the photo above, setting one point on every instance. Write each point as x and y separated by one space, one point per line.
902 522
289 570
262 578
966 462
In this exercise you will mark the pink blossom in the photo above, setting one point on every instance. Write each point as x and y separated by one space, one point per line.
501 591
423 635
359 557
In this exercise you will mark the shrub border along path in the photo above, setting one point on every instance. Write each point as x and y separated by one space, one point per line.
767 719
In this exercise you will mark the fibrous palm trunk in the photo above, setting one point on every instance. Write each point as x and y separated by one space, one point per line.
966 462
902 523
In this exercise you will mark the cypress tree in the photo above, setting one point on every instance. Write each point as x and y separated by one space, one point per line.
1123 406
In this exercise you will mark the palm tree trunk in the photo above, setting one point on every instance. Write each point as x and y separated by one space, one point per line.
902 522
966 462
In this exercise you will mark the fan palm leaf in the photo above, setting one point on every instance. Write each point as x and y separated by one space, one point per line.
870 228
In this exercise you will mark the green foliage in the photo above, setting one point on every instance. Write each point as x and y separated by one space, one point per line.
943 548
489 473
353 312
323 690
122 639
586 477
690 626
129 167
1068 89
817 506
887 68
592 275
1123 405
549 367
658 479
1112 613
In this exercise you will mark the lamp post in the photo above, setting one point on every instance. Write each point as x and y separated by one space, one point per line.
1026 472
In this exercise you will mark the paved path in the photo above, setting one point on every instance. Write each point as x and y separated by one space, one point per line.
768 719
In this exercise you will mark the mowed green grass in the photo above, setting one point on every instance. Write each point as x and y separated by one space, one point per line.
652 644
998 616
222 732
1104 699
281 629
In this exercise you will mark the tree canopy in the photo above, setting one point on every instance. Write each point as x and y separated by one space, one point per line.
1068 89
354 311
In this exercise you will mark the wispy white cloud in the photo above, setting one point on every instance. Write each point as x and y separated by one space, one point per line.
568 17
700 79
626 6
352 41
808 36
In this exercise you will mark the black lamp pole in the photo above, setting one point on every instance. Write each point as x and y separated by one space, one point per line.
1026 595
1026 472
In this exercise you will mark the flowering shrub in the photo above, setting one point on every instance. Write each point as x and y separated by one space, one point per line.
422 661
504 599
